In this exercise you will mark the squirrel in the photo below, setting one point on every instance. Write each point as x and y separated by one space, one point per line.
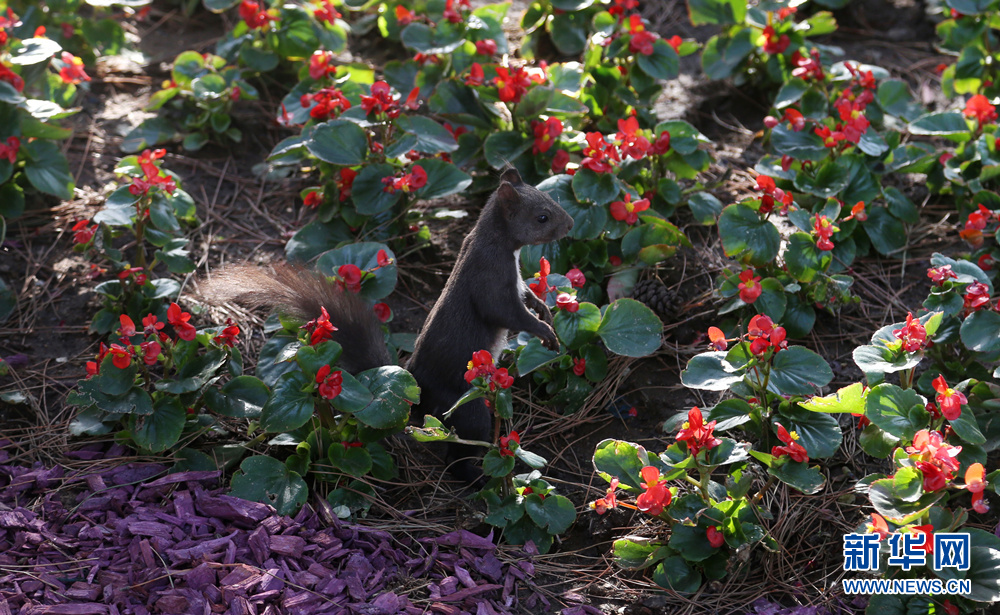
482 300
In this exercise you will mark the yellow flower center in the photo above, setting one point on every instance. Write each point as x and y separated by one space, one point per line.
793 435
686 425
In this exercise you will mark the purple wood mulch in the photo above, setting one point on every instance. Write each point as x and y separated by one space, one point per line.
135 540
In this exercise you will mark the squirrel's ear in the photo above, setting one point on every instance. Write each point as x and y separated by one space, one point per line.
510 175
508 196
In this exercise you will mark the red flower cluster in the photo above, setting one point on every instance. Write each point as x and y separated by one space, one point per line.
774 44
913 335
599 155
750 288
696 434
935 459
404 16
794 117
150 352
228 335
152 175
382 311
824 230
329 102
330 385
321 64
345 181
380 101
179 320
326 12
72 69
546 134
878 526
566 301
642 40
541 284
657 496
975 224
620 6
977 297
512 84
134 273
576 278
661 145
486 47
414 180
10 149
610 500
579 366
320 329
979 107
6 74
254 15
764 335
949 400
939 275
453 15
792 448
717 339
858 211
633 144
7 21
476 75
807 67
350 277
480 365
627 211
771 194
313 198
854 121
975 482
505 441
715 538
82 233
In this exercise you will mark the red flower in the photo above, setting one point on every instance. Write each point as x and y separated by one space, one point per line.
855 123
927 531
345 181
986 262
350 277
505 441
150 352
878 526
566 301
320 329
329 102
327 12
633 144
715 537
9 150
858 211
150 325
774 44
72 70
313 198
642 40
11 77
121 357
599 154
228 335
675 42
476 75
179 320
657 496
717 339
382 311
913 335
559 161
935 459
579 366
450 13
792 449
948 399
541 284
807 67
501 378
750 288
661 145
824 230
512 84
480 365
321 64
627 211
576 278
975 482
381 99
127 326
414 180
696 434
82 234
980 108
610 500
977 296
546 134
404 16
255 16
486 47
152 177
330 385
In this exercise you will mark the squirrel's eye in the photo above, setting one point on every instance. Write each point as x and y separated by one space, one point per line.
543 219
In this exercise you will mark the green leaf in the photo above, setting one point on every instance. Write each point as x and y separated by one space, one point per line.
432 138
441 40
339 142
243 397
443 179
160 430
356 460
674 573
289 406
851 399
663 63
598 189
34 51
148 134
621 460
47 169
554 514
635 553
746 237
797 474
497 465
365 256
980 332
630 328
267 480
877 442
943 124
818 433
577 328
804 260
502 148
802 145
832 177
888 406
393 390
533 356
705 207
984 573
353 397
799 371
716 12
691 541
888 499
569 32
967 428
711 371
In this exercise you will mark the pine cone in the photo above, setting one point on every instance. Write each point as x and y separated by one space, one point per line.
657 297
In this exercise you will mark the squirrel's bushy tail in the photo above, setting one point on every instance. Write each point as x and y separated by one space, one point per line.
301 293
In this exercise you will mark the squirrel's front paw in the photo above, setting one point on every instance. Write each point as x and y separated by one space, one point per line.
549 339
